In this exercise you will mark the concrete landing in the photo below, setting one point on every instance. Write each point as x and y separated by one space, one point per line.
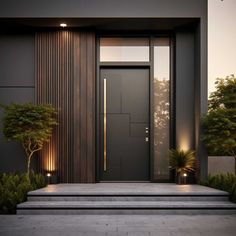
126 189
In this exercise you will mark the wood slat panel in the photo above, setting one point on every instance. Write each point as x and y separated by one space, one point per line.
65 78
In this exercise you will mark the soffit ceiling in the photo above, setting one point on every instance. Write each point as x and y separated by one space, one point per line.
100 24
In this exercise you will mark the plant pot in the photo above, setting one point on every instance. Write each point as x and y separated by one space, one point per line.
180 179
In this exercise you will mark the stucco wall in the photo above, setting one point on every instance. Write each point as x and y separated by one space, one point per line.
16 85
221 164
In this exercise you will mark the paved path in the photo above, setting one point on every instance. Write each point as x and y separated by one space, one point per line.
114 225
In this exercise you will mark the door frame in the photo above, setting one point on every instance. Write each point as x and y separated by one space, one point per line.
148 65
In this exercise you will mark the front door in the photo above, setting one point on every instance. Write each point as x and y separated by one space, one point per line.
124 124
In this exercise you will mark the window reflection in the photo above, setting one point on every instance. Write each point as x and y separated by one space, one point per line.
161 108
124 49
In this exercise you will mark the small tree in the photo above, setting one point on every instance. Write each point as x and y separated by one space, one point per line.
29 124
220 122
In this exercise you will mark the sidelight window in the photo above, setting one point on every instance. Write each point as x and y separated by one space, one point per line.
161 108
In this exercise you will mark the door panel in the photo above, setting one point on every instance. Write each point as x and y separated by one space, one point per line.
127 124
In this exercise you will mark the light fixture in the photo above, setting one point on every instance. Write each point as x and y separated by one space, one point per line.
63 25
48 174
185 178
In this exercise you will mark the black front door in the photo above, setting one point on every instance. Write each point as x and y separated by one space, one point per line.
124 124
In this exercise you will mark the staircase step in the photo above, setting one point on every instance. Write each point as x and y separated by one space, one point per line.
125 207
126 204
129 198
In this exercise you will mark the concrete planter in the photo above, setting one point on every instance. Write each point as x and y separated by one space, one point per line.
221 164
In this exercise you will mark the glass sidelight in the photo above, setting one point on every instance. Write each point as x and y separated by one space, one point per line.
161 108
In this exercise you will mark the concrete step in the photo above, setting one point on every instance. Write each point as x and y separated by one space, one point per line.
126 207
128 198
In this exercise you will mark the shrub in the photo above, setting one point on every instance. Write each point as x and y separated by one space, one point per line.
225 182
219 124
14 188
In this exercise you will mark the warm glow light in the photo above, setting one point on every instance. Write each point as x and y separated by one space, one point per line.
63 25
49 158
184 142
48 174
185 175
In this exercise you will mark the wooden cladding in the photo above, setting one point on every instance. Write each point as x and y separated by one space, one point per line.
65 78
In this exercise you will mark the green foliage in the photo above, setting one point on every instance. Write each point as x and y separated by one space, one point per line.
225 94
182 161
225 182
29 124
37 180
220 122
14 188
28 121
220 131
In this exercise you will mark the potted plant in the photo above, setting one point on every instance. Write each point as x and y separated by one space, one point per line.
182 162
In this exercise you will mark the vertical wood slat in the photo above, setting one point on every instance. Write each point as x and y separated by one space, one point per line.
65 78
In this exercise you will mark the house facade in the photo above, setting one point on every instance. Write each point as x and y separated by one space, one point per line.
129 80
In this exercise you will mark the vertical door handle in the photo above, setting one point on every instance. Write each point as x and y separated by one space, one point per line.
105 125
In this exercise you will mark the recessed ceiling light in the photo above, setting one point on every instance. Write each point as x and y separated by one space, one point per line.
63 25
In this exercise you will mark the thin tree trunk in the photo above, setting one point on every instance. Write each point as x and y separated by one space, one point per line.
29 161
235 165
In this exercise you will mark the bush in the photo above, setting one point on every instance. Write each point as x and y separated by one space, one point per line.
225 182
14 188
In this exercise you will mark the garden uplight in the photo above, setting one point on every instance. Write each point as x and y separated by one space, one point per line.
48 174
63 25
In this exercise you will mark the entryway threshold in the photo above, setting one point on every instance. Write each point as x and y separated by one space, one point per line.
126 189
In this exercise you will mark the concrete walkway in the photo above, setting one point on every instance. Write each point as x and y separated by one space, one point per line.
96 225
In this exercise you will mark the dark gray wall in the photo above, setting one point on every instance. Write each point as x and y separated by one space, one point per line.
185 90
16 85
103 8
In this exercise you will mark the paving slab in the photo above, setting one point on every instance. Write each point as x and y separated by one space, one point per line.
89 225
